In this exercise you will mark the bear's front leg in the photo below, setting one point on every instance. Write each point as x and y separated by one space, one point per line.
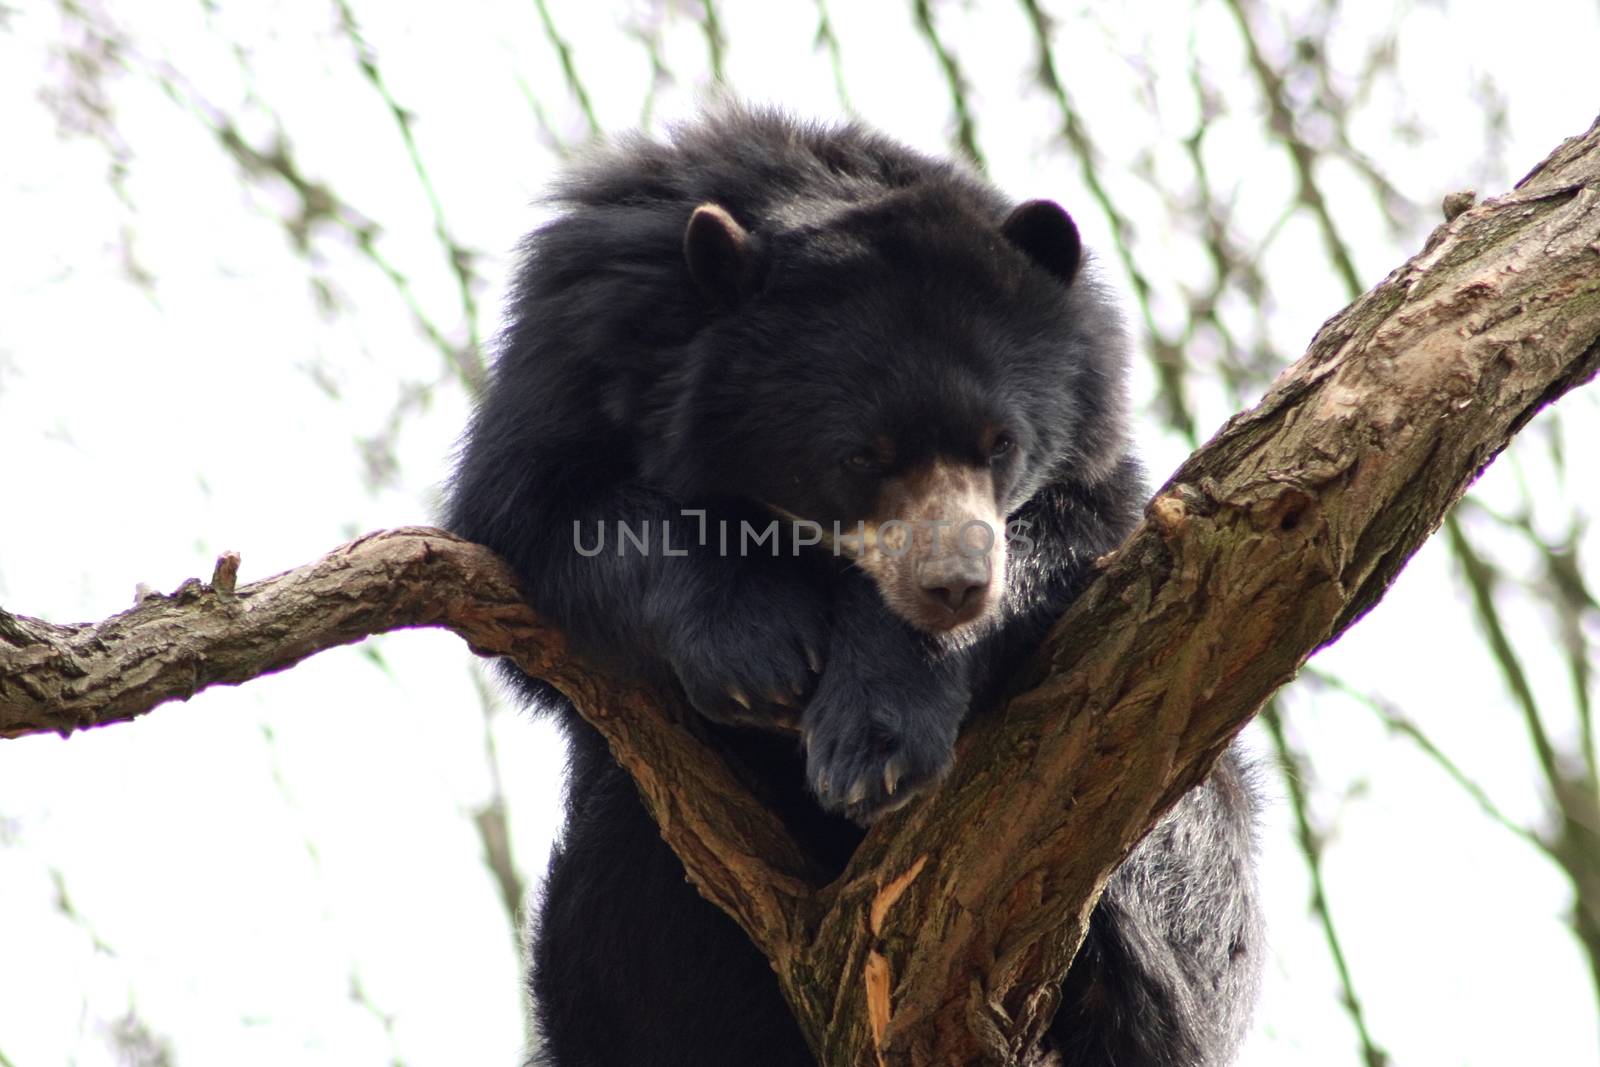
881 726
745 638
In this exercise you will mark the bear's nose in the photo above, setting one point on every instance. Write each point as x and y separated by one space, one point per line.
955 584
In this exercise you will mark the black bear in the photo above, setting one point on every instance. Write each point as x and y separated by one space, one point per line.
825 432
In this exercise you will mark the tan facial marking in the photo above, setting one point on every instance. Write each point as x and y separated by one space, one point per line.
936 547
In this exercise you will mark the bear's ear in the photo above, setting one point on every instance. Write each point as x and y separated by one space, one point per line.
719 253
1043 230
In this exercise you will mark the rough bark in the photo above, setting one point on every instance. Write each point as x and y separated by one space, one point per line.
67 678
944 940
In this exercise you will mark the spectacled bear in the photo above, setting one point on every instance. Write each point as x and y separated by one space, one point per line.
826 433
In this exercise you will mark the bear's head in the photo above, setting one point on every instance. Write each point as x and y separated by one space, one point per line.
901 376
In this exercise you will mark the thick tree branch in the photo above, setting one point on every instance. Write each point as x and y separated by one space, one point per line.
946 937
1266 544
66 678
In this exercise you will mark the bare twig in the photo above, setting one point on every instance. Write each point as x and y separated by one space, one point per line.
966 139
1310 841
569 68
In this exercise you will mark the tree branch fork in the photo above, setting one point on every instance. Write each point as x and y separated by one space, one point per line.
946 937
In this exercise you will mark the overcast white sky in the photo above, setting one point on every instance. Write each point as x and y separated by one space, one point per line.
232 870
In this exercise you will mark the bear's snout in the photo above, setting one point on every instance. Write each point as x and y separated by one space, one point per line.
956 585
936 548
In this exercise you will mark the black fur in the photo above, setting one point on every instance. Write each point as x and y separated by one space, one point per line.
841 313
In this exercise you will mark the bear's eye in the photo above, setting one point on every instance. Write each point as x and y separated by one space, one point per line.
862 463
1002 444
